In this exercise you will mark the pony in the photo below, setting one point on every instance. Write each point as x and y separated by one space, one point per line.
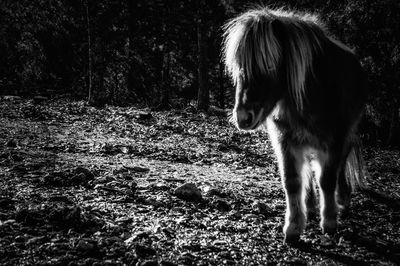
308 90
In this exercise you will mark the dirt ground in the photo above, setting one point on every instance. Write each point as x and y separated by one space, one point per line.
87 186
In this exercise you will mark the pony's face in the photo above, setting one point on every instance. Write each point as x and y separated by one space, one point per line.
252 54
254 101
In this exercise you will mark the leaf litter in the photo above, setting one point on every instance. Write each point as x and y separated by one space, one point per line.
126 186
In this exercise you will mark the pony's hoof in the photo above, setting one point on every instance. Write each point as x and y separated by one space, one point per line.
329 227
344 211
292 232
292 239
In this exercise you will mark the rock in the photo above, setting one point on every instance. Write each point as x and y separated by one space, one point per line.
136 236
211 191
222 205
160 186
143 251
11 143
104 179
120 170
327 241
19 239
73 216
126 149
149 263
28 216
261 208
79 179
250 217
137 169
133 186
81 176
84 245
143 116
109 149
6 222
88 246
235 215
16 157
188 192
6 203
167 263
35 240
81 170
11 98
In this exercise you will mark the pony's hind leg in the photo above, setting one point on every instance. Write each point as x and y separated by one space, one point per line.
291 163
343 192
344 188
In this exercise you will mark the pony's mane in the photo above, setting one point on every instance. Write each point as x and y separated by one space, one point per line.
252 48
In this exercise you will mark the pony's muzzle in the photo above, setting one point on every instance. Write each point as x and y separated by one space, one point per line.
245 118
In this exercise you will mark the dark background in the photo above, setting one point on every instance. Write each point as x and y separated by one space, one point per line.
164 54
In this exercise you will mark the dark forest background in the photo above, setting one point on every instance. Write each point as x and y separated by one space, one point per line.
166 54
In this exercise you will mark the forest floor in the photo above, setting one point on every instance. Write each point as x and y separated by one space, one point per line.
87 186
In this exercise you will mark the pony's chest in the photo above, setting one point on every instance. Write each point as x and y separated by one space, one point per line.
300 129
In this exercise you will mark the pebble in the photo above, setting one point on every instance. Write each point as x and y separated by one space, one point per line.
160 186
327 242
143 251
86 246
34 240
261 208
212 191
149 263
167 263
11 143
222 205
189 192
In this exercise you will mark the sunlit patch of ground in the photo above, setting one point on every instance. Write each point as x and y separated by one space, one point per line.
89 186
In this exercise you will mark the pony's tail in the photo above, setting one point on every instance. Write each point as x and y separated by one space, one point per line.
355 168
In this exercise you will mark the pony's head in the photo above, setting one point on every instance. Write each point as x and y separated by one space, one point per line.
268 54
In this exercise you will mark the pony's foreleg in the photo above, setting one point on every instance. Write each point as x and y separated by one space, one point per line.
291 163
327 185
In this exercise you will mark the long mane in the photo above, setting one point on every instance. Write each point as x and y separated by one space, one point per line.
252 47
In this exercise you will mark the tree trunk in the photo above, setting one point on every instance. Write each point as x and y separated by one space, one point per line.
90 78
102 94
394 127
134 84
203 92
164 101
163 61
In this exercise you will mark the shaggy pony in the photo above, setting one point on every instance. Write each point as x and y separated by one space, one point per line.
309 90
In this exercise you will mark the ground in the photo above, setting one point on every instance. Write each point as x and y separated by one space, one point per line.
86 186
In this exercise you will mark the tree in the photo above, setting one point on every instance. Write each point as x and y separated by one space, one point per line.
203 96
89 78
134 83
164 60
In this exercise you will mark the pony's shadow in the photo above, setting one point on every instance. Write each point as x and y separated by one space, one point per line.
387 249
345 259
391 203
